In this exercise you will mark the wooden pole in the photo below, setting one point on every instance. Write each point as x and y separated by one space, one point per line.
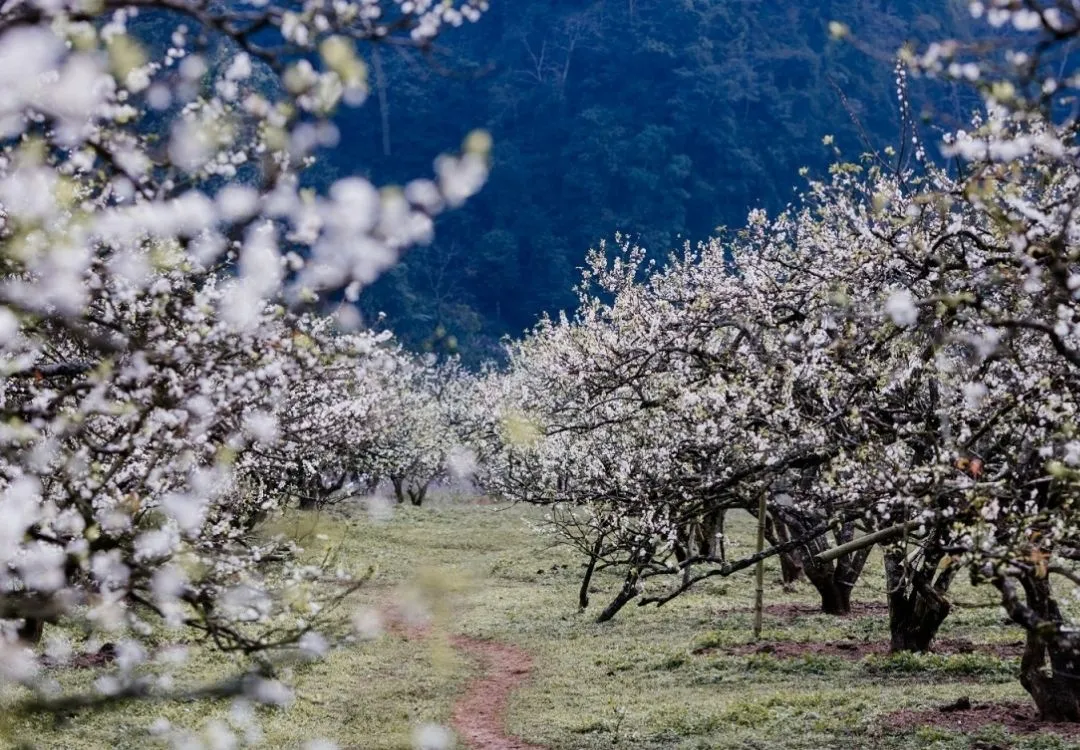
759 591
866 540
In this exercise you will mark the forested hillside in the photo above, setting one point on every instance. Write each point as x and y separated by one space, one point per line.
660 118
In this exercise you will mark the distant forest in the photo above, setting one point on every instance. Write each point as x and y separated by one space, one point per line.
663 119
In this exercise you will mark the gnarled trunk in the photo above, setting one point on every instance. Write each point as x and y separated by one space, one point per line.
316 490
917 603
701 537
834 580
405 489
835 595
1049 643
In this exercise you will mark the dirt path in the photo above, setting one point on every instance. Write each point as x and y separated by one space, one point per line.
478 716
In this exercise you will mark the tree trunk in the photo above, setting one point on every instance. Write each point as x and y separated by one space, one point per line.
835 596
917 603
1056 693
628 591
686 548
914 623
399 489
417 495
791 569
31 630
834 580
594 557
306 497
710 533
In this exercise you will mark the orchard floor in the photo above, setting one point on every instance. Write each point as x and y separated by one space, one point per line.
682 676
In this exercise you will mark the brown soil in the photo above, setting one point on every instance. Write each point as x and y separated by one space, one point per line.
396 622
855 650
792 611
968 717
478 715
87 659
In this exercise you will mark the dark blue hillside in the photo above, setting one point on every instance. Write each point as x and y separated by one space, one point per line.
659 118
663 119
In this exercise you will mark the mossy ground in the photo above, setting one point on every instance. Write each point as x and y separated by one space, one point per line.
634 683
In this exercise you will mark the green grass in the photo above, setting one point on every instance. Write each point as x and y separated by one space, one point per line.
633 683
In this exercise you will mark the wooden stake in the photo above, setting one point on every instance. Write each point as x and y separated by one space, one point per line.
759 591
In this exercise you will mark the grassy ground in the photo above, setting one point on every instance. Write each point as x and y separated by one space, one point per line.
634 682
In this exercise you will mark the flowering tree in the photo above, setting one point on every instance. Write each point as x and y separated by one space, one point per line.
325 425
894 356
650 415
854 250
418 440
1005 295
157 252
